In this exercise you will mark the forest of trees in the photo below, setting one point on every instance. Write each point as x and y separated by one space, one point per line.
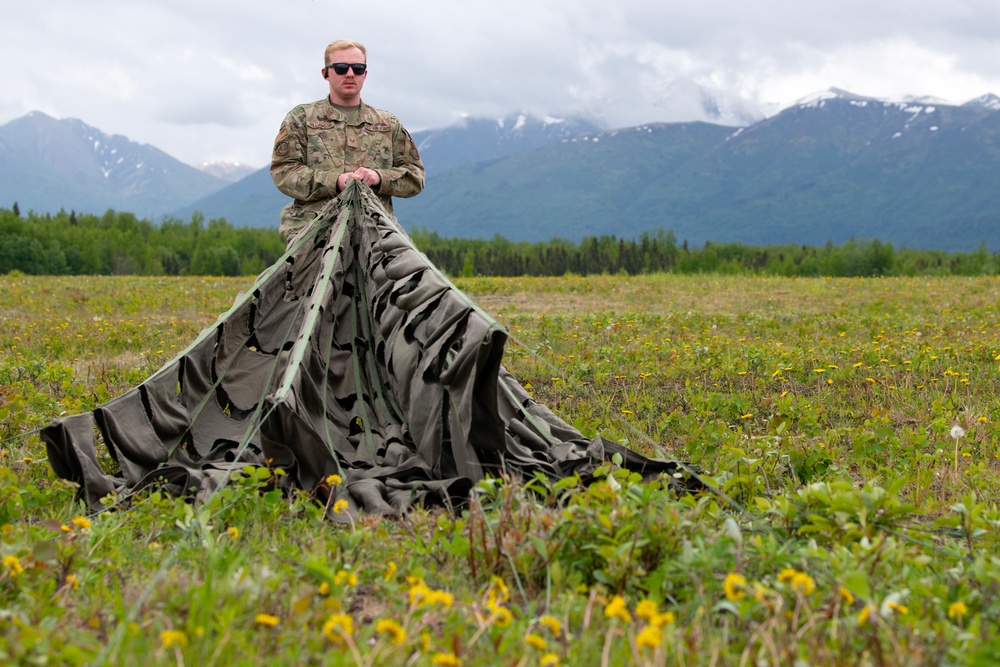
120 244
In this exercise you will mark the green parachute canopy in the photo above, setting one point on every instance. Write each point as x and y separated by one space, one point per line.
352 356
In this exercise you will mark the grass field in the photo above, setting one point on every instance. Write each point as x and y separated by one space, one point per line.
850 429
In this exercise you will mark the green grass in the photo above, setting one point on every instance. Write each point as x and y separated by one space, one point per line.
848 525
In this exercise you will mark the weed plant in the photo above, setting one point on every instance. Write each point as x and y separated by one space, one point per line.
848 429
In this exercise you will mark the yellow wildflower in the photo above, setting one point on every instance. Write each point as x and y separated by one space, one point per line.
345 576
864 616
847 595
552 623
418 591
787 574
393 629
535 641
957 609
733 586
650 637
233 532
445 660
81 522
497 584
72 581
646 609
803 583
266 619
337 627
334 480
340 506
390 570
661 619
549 660
13 565
425 641
443 598
501 615
324 589
173 638
898 608
616 609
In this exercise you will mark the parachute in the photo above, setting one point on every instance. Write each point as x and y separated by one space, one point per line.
352 355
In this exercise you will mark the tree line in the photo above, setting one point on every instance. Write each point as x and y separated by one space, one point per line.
118 243
660 252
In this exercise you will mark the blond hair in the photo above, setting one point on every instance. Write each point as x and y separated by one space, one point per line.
340 45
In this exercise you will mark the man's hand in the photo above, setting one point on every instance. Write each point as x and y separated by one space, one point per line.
367 176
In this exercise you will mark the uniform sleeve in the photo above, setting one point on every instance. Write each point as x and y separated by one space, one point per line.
406 177
290 168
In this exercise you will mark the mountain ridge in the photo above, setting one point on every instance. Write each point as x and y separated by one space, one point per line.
47 164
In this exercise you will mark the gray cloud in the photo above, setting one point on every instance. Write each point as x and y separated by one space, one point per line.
212 80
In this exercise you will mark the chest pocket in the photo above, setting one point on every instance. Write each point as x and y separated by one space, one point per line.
324 143
375 141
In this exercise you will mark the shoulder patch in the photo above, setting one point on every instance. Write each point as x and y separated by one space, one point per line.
281 148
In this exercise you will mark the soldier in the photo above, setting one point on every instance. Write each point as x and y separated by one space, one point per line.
322 145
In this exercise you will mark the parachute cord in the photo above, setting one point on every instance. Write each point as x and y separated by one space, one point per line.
21 436
590 392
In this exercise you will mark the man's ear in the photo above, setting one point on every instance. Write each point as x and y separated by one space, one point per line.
326 73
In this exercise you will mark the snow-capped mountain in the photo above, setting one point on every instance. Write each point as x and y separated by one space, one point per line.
988 101
227 171
47 163
482 139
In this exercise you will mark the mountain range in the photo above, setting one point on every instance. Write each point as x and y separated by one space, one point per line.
48 164
916 172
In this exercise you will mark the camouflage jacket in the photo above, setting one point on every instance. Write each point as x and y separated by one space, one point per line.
317 143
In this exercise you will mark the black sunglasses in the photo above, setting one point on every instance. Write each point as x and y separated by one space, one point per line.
341 68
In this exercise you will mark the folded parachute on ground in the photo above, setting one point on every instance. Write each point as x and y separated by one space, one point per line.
351 355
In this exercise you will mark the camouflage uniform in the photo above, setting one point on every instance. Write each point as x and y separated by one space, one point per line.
317 142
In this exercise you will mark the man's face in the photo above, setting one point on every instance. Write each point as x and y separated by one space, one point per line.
345 89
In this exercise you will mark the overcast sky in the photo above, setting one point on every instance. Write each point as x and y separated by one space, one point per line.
212 79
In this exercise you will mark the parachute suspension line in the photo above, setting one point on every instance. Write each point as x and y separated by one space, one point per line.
21 436
589 391
695 474
586 389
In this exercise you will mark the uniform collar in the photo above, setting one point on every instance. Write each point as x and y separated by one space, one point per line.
333 113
